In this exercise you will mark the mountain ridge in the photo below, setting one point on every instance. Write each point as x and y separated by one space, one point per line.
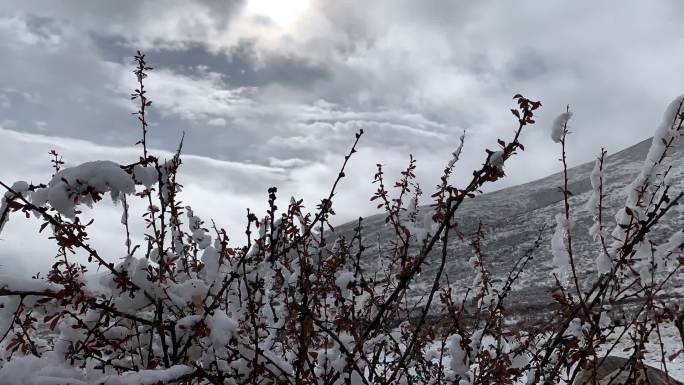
513 216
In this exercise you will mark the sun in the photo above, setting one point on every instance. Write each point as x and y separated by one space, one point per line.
284 13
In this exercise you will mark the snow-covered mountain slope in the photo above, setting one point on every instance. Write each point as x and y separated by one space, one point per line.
513 217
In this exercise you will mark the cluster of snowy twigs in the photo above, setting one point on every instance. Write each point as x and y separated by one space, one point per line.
292 307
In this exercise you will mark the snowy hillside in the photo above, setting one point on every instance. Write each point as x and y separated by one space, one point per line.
512 218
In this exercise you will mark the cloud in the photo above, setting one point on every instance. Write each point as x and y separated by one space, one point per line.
216 122
277 102
292 162
216 189
194 97
454 65
146 24
5 101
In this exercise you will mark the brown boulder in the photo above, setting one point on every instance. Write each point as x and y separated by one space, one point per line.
616 370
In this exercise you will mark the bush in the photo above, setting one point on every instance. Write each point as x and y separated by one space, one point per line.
293 306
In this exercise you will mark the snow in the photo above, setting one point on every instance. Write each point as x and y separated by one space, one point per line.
671 344
576 329
298 213
30 370
15 282
496 160
20 188
458 361
666 254
343 281
596 178
78 185
185 324
187 292
456 155
210 258
8 305
146 176
199 235
597 230
559 248
116 333
124 214
149 377
603 263
665 133
223 328
559 125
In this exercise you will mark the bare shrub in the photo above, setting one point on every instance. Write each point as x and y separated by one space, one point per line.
292 307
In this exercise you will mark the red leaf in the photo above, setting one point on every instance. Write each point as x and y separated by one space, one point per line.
15 206
53 324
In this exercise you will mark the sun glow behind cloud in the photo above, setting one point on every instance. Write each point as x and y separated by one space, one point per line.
284 14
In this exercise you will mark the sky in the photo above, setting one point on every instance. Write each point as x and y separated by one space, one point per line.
271 92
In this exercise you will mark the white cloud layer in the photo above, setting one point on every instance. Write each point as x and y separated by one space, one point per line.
272 95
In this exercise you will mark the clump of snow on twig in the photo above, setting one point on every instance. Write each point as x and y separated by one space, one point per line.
82 184
559 247
496 160
559 126
19 189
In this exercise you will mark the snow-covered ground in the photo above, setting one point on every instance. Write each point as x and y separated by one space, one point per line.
512 218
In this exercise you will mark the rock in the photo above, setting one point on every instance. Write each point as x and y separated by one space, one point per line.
611 368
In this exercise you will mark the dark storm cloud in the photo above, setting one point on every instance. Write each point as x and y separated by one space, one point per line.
166 23
56 77
240 65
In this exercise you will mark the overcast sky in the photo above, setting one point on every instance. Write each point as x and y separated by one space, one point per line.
271 92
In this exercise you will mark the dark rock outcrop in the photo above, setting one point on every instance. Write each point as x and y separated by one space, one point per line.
618 371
